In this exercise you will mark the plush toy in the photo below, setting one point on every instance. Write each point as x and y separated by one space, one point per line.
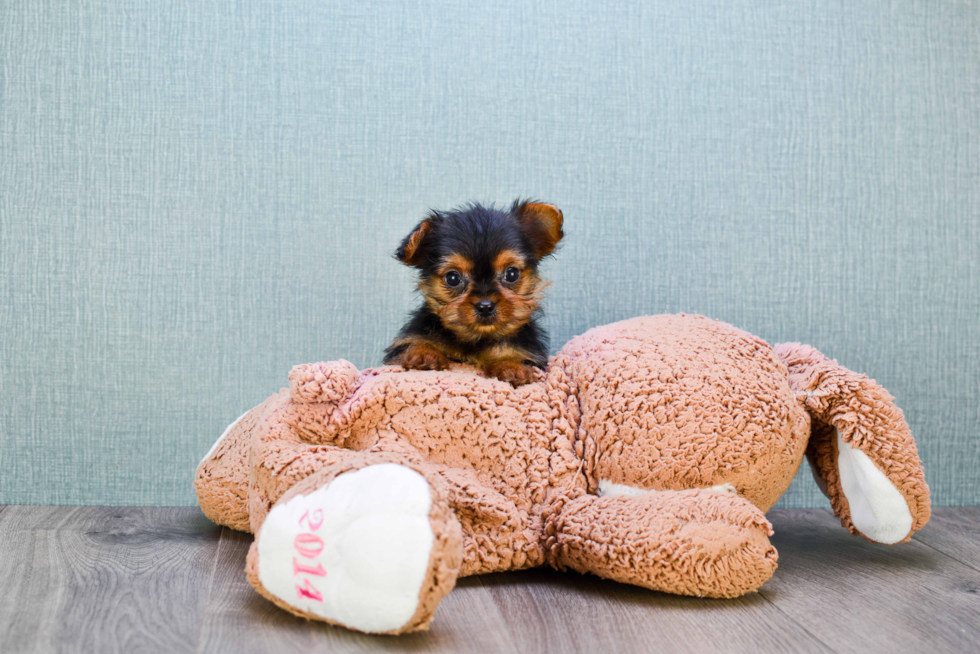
648 453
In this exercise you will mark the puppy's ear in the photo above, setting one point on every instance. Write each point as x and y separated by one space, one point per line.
411 252
542 225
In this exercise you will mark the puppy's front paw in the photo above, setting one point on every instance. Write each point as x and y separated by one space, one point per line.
512 372
422 357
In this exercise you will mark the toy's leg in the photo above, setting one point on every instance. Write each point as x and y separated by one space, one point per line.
861 450
257 459
369 543
221 481
694 542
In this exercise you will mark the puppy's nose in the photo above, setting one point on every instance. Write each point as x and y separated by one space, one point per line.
485 308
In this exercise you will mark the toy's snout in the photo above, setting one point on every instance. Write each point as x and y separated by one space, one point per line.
332 381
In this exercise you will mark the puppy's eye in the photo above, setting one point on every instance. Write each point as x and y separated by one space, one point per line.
453 279
511 275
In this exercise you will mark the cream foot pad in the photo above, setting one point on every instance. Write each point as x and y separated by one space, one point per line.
355 551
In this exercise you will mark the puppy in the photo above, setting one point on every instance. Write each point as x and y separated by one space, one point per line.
479 279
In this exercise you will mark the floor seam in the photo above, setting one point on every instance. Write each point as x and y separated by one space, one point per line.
796 622
207 596
936 549
503 620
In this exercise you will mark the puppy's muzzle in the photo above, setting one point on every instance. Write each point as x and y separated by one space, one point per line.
485 308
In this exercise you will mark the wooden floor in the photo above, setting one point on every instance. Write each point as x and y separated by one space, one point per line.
96 579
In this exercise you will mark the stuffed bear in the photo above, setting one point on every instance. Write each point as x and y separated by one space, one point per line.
648 453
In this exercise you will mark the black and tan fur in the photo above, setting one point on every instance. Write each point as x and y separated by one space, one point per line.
478 275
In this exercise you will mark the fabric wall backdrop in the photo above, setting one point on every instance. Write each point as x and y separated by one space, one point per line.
195 196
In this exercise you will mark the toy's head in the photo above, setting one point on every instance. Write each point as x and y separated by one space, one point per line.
677 402
478 265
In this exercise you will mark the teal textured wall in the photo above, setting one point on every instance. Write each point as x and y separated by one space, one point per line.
195 196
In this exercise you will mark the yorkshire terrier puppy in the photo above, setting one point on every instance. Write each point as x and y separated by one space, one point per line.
478 276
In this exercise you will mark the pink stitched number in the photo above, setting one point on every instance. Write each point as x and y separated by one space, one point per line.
308 590
313 522
308 545
307 569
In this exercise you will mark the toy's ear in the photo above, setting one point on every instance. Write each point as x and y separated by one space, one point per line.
412 251
542 225
860 449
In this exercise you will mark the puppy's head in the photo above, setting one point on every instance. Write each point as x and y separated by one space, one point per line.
479 265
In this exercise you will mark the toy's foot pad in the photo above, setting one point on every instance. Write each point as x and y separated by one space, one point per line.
355 551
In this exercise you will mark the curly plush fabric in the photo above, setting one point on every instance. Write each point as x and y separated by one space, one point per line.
693 542
863 415
648 453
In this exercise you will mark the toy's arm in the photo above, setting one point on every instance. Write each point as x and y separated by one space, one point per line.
861 450
693 542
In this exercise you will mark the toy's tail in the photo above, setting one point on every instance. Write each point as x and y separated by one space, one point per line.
323 398
332 381
861 449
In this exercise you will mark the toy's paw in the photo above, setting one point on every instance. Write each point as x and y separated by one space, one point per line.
422 357
512 372
356 552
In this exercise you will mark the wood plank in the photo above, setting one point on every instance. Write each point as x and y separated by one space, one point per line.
954 531
551 611
238 619
103 579
106 579
857 596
